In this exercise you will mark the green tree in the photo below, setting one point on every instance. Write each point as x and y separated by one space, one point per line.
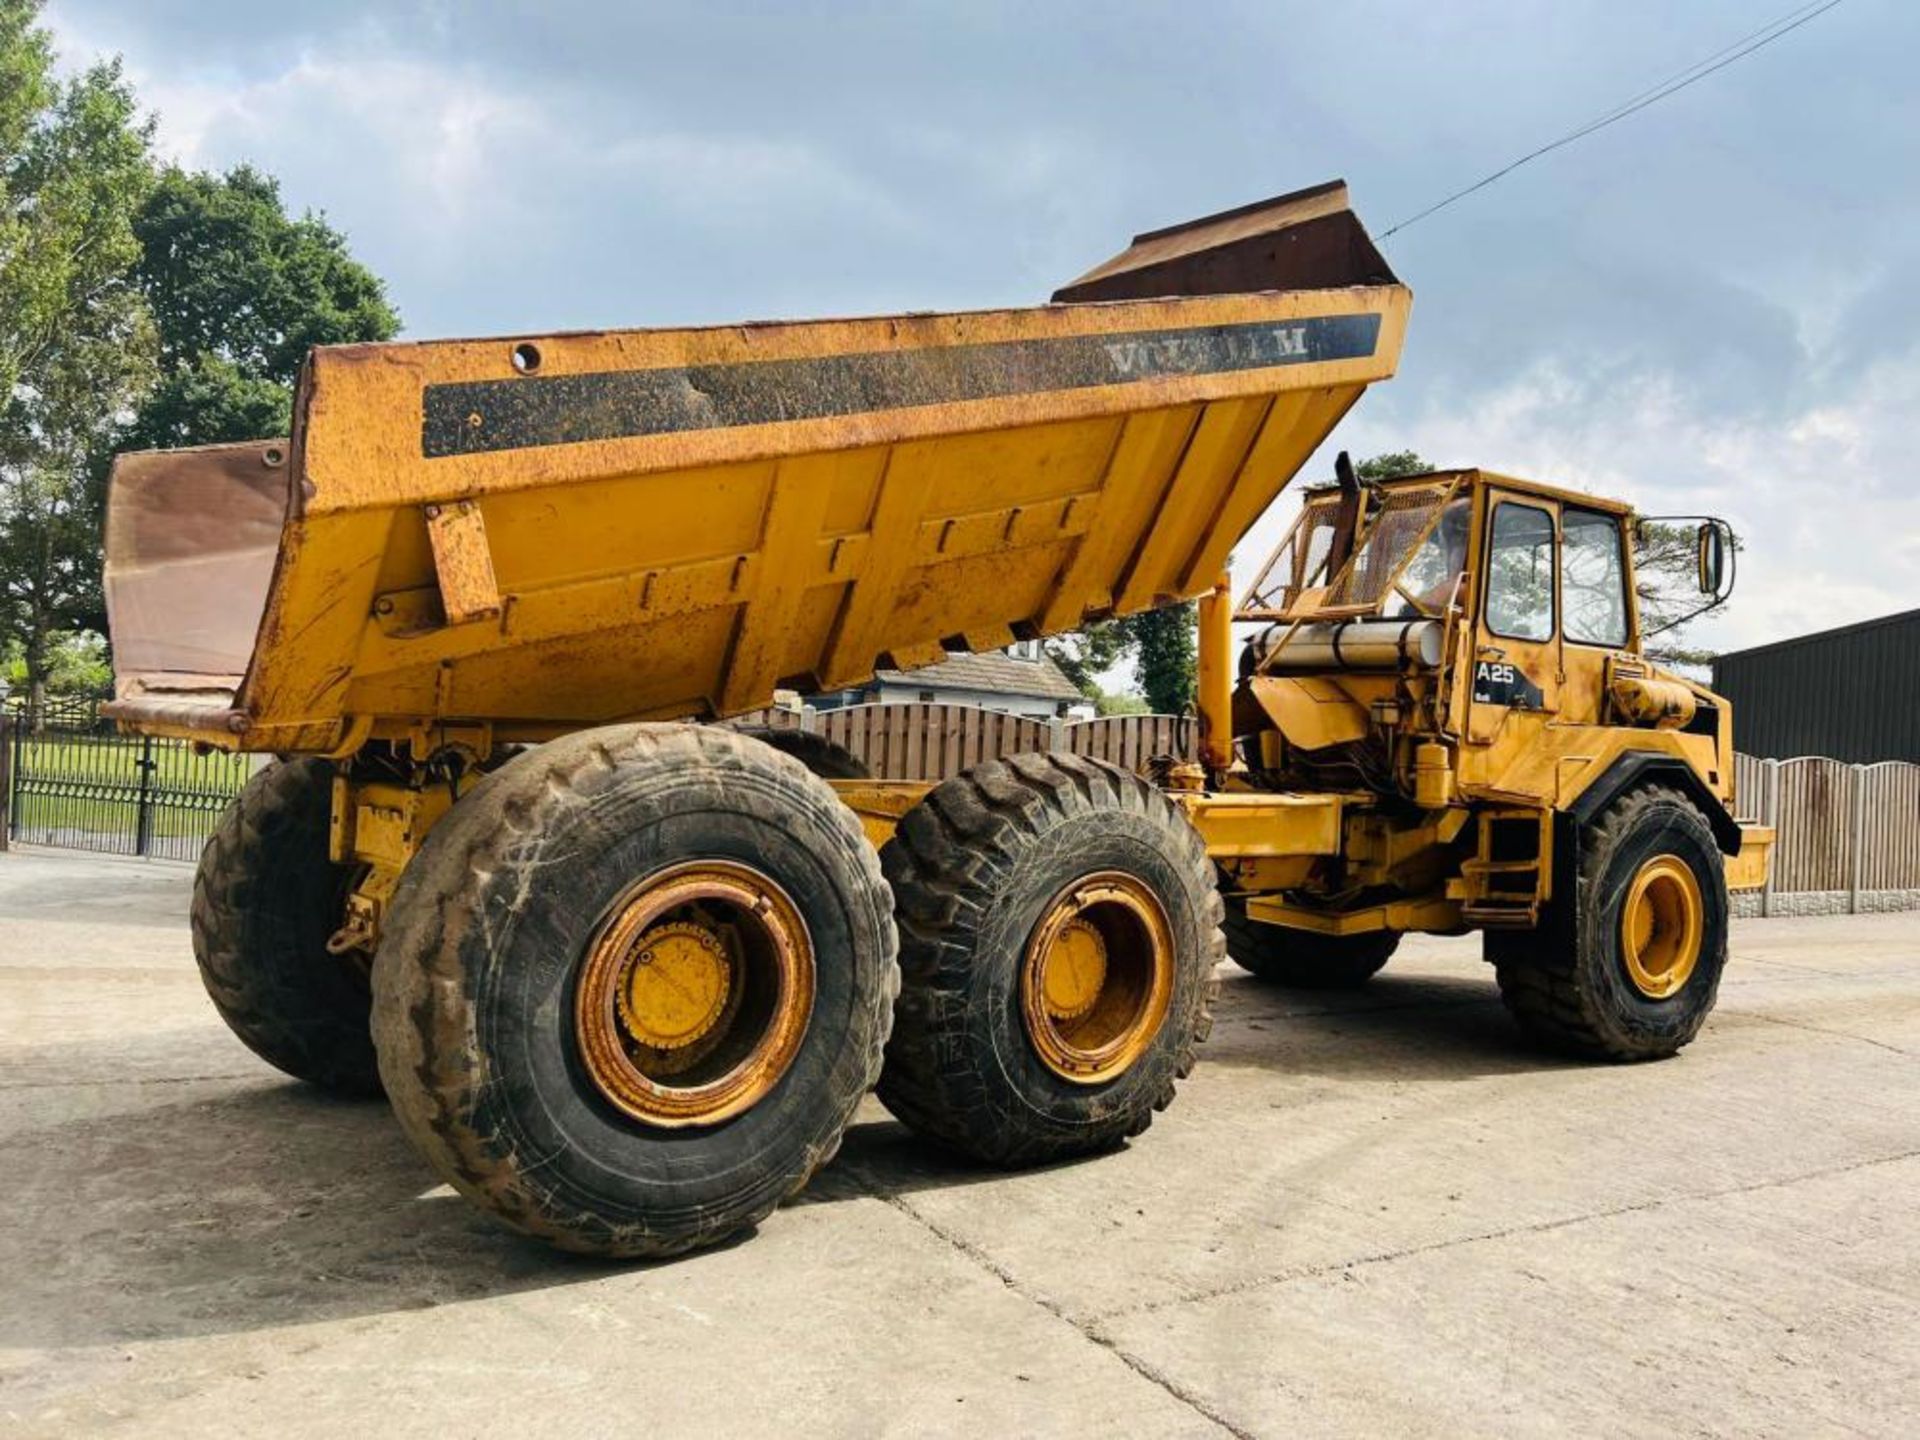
1085 655
1165 656
240 291
76 664
1106 703
76 337
1390 465
1162 646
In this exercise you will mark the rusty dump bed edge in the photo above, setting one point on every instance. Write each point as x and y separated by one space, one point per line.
558 531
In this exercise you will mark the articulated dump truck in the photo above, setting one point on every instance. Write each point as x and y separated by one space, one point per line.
625 973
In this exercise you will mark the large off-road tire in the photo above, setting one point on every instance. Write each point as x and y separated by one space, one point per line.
824 757
265 901
1301 959
622 885
1626 963
1059 926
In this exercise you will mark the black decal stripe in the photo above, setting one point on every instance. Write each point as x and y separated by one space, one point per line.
480 416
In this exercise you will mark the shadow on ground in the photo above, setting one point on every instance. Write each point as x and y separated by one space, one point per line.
1399 1027
271 1204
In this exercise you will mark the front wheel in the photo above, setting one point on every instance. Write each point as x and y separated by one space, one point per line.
1627 966
634 985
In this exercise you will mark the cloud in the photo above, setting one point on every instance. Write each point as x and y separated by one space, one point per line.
1822 493
428 130
1710 305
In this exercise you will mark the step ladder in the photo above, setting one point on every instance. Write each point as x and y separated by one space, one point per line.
1503 885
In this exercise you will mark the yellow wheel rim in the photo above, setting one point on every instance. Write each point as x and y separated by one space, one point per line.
1661 925
1096 979
695 994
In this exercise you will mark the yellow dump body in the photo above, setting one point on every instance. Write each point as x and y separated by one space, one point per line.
569 530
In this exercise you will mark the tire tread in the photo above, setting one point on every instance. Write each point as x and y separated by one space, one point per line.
269 975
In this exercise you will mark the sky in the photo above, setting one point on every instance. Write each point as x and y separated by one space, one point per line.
1712 306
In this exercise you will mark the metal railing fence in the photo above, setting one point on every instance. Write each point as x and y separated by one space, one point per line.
69 783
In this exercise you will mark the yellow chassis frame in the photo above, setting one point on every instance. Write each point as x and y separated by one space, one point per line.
1266 841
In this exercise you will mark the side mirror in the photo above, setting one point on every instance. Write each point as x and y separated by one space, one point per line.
1711 556
1716 555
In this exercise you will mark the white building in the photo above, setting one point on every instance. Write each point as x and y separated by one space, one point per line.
1020 680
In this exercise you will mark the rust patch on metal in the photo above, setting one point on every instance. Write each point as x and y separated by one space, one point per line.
1307 240
463 562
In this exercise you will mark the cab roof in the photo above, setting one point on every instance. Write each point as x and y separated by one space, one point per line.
1473 475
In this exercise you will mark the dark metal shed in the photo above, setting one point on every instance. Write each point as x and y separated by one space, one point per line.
1851 693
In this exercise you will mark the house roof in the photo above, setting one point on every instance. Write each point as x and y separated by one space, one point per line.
995 673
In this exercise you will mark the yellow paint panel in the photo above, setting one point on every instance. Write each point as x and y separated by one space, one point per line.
1748 869
1211 464
1133 480
1247 825
1286 440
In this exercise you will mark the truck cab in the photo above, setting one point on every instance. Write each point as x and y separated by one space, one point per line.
1461 653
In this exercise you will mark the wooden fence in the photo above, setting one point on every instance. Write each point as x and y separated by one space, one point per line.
931 742
1844 830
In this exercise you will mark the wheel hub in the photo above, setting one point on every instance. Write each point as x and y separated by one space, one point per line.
1072 971
676 986
693 999
1097 977
1661 926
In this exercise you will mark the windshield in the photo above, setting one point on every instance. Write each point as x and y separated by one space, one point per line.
1433 575
1396 533
1414 541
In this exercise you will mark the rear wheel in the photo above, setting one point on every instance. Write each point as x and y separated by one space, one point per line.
266 900
1059 929
1280 955
822 756
634 985
1627 966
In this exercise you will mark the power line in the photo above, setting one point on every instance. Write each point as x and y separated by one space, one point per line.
1672 85
1653 92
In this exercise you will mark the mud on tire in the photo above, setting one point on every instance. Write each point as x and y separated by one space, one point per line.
265 901
474 985
1278 955
974 867
1567 983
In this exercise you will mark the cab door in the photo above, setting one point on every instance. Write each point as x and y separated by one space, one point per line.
1515 683
1596 609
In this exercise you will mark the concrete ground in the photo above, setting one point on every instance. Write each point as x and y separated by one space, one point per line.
1371 1214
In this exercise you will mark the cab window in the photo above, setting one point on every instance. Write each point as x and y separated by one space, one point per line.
1593 579
1432 576
1520 573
